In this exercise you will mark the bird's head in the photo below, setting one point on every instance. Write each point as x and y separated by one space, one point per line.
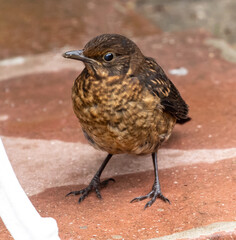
109 55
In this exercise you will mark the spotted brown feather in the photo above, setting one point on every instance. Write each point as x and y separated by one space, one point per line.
155 79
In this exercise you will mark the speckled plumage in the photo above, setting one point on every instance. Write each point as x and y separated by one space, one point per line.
127 104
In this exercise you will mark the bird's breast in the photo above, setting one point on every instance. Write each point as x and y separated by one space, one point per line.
119 115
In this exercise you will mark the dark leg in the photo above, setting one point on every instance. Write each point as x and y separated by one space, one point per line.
95 183
156 188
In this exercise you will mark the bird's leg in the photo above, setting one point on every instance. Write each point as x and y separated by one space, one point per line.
95 183
156 188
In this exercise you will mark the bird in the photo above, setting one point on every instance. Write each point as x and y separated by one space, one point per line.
125 103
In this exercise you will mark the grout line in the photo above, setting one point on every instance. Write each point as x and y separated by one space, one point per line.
75 163
46 62
194 233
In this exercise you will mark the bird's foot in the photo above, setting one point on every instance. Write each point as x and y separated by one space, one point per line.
95 184
154 194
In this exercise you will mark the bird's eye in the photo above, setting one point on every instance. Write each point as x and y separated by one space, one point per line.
108 56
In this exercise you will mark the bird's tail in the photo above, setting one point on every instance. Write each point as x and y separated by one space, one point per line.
182 121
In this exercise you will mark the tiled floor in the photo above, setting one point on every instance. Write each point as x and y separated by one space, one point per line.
51 157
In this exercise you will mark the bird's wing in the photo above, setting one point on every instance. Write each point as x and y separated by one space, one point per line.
158 84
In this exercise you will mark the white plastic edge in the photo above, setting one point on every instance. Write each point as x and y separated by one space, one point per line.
17 212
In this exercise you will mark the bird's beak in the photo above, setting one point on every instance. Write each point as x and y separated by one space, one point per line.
77 55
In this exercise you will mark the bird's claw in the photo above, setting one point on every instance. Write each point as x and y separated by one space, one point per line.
154 194
95 184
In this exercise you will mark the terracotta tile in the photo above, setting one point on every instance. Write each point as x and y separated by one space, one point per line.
39 106
198 196
67 24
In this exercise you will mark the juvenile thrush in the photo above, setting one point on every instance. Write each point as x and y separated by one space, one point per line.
125 103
